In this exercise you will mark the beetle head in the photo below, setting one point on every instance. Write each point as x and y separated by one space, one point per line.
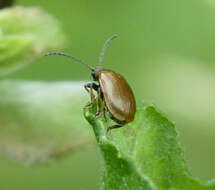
95 74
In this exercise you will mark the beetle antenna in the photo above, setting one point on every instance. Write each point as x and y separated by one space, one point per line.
71 57
103 50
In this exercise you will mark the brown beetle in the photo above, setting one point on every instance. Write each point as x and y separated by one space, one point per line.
112 88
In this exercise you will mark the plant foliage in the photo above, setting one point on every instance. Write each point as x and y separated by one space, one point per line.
144 154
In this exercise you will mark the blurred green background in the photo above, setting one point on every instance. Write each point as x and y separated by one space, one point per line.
165 51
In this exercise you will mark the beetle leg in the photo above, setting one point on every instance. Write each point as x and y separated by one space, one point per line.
113 127
89 88
98 103
91 95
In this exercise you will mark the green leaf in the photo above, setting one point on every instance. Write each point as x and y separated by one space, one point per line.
26 33
144 154
40 121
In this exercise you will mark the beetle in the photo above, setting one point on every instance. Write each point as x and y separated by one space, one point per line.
111 88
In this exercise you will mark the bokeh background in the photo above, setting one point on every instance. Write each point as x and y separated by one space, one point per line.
165 51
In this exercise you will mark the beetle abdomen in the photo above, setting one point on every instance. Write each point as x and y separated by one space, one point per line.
118 96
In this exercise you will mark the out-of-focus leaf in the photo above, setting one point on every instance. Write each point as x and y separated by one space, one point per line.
185 89
42 120
26 33
144 154
5 3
